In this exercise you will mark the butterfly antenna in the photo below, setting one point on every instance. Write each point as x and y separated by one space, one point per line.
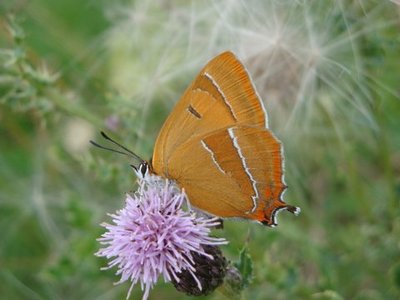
127 153
109 149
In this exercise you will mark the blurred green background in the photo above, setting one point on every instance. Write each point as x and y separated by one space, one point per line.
329 75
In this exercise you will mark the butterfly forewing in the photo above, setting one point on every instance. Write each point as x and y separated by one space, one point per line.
221 95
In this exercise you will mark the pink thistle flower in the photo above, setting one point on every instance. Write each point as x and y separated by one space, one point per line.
152 236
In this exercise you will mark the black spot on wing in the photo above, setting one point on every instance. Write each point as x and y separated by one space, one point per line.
194 112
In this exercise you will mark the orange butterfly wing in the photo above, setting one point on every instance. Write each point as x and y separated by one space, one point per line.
221 95
216 146
250 189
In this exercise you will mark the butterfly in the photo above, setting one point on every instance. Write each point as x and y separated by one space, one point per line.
216 145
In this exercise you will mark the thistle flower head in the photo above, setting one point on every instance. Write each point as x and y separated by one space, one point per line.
152 236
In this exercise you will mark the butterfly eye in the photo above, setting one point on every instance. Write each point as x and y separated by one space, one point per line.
143 169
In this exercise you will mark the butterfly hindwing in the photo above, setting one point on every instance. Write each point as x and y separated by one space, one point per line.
249 189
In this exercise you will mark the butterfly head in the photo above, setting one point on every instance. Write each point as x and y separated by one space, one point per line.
143 170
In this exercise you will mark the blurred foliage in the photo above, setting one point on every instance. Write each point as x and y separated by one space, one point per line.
245 267
328 73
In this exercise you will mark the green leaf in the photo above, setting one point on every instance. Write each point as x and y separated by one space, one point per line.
245 267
